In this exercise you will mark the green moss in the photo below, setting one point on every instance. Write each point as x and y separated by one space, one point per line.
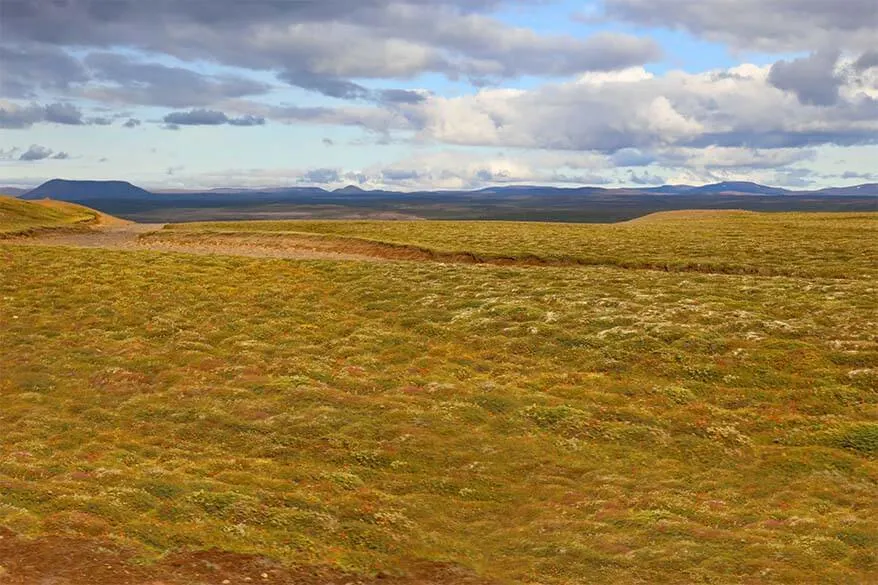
862 438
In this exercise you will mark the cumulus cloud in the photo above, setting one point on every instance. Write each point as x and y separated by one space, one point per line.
29 68
631 115
447 169
867 60
325 84
645 178
632 157
248 120
596 103
860 176
335 87
202 117
67 114
793 178
396 175
813 79
129 81
713 164
764 25
457 170
9 153
196 118
737 107
375 119
37 152
24 116
317 45
321 176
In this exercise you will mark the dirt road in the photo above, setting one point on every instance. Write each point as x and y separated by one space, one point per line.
127 237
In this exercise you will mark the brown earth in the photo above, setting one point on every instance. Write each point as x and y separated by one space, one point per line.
146 236
60 560
143 236
127 236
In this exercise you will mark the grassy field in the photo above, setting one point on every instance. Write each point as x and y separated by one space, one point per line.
20 218
538 424
819 244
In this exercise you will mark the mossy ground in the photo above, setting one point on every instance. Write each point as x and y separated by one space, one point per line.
843 245
538 424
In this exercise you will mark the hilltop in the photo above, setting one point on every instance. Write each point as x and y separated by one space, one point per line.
18 217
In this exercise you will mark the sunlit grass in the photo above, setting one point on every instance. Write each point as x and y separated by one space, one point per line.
539 424
791 244
18 217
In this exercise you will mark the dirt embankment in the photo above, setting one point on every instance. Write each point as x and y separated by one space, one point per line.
305 246
129 237
58 560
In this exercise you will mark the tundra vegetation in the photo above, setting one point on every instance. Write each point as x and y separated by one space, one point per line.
682 399
22 218
790 244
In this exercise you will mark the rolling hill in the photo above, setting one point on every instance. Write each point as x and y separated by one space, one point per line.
18 217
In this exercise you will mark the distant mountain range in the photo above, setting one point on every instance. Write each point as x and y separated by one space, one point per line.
724 188
13 191
68 190
514 202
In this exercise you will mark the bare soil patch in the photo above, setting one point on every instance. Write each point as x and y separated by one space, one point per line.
128 237
64 560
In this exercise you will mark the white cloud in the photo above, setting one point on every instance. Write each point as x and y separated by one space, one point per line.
761 25
737 107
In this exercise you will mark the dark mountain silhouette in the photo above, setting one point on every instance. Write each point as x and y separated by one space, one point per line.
64 190
867 189
512 202
70 190
350 190
738 187
667 189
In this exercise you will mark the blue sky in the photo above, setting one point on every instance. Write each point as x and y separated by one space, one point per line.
439 93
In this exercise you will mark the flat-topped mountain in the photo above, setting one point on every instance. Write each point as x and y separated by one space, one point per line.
739 187
65 190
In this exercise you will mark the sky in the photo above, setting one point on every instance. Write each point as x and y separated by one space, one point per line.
439 94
